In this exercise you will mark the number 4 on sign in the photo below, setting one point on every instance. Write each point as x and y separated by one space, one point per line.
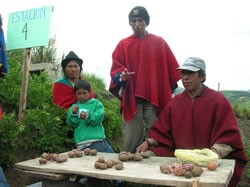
25 30
29 28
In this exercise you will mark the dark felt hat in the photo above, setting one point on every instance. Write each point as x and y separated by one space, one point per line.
69 57
139 11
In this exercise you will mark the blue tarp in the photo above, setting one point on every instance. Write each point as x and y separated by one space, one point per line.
3 56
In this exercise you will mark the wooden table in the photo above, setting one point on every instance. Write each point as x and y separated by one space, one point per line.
146 171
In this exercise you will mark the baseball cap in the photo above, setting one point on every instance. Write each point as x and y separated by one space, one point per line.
193 64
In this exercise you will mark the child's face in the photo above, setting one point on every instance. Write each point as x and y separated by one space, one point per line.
82 95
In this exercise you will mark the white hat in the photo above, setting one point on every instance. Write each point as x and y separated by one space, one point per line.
193 64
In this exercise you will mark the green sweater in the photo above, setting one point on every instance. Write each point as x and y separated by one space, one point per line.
91 127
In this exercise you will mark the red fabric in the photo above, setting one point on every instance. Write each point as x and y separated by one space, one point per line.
199 123
155 72
64 96
1 112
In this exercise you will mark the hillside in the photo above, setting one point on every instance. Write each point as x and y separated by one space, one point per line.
240 97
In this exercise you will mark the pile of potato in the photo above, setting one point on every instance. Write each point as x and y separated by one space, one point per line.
52 157
91 152
188 170
127 156
101 163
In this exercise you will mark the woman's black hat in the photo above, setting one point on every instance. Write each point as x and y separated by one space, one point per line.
69 57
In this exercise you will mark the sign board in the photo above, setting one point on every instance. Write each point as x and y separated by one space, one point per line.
29 28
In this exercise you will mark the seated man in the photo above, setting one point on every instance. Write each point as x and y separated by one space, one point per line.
197 118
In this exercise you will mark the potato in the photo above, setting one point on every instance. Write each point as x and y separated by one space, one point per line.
46 156
123 157
97 164
130 156
212 166
79 153
165 168
119 166
87 151
93 152
118 162
109 163
197 171
71 154
53 156
103 166
61 158
42 161
101 159
138 157
145 154
122 152
188 174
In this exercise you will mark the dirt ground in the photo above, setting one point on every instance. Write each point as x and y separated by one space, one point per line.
19 179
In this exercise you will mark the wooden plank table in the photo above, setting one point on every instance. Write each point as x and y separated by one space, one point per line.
146 171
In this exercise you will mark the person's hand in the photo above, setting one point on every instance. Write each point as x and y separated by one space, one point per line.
125 74
75 109
143 147
83 115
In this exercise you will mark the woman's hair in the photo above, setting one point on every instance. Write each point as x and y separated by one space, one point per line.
82 84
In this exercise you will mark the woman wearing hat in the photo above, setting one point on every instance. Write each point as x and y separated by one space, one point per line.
63 89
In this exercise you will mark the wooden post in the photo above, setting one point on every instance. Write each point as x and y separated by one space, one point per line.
25 78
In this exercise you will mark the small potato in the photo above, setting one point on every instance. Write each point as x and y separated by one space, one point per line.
138 157
145 154
103 166
109 163
119 166
97 164
42 161
71 154
131 156
118 162
76 150
123 157
197 171
46 156
101 159
53 156
61 158
122 152
188 174
93 152
87 151
165 168
79 153
212 166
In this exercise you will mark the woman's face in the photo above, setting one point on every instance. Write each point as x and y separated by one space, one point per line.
72 70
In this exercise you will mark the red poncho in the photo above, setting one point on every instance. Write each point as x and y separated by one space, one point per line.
63 93
198 123
155 72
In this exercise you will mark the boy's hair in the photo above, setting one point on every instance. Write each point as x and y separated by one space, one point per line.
82 84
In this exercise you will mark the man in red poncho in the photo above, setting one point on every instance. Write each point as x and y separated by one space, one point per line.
143 75
197 118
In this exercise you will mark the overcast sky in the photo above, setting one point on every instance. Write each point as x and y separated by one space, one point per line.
216 30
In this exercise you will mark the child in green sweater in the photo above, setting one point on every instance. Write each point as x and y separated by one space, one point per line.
86 116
